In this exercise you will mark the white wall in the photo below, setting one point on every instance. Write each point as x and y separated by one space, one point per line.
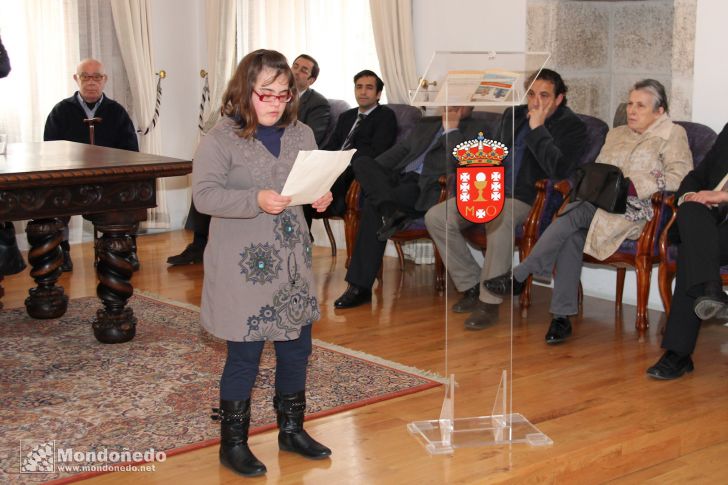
710 104
179 47
467 25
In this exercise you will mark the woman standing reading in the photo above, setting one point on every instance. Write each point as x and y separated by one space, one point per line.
258 283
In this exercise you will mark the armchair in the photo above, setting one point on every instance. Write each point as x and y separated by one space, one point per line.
643 253
337 106
548 201
700 139
407 117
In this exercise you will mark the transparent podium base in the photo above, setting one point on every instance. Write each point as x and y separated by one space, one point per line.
442 436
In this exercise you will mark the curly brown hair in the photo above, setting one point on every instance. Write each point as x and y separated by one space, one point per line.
237 100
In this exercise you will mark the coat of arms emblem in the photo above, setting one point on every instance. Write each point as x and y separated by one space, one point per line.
480 179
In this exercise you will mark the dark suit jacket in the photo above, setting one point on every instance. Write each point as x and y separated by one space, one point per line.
377 132
314 110
4 61
705 176
437 161
554 148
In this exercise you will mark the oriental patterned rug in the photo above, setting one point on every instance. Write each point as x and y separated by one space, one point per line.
67 399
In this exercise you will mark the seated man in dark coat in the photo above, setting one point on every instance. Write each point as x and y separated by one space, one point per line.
370 128
112 127
313 107
701 235
549 139
400 185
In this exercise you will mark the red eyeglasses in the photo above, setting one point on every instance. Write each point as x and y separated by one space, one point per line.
268 98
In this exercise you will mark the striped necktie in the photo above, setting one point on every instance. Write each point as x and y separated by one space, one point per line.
350 137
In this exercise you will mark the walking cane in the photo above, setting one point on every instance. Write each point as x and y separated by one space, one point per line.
91 122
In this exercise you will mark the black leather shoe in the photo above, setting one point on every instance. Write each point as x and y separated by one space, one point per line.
67 265
392 224
502 285
469 301
559 330
353 296
191 255
484 315
712 305
671 366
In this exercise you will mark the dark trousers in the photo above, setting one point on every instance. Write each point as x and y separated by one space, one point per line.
337 208
383 191
199 224
703 248
243 361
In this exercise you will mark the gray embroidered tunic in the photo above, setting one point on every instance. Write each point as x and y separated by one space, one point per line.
258 282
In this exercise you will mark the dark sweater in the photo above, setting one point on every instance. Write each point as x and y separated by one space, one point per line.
65 122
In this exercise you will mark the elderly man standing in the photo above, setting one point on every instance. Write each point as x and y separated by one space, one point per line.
90 113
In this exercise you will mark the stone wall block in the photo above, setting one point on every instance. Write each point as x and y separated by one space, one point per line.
581 35
643 36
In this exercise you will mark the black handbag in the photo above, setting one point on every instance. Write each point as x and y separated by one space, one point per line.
11 261
603 185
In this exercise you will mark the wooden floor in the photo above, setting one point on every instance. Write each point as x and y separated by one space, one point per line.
608 421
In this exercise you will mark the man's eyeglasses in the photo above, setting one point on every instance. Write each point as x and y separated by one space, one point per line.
87 77
269 98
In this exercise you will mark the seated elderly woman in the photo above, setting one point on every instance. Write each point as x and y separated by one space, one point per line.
653 152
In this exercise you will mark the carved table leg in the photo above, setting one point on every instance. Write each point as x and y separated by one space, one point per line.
45 257
114 323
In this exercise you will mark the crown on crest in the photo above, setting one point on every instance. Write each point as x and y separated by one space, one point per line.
480 150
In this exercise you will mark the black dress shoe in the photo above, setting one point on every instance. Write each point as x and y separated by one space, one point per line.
469 301
484 315
671 366
502 285
391 224
559 330
191 255
353 296
712 305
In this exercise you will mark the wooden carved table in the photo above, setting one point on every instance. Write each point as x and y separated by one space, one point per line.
111 188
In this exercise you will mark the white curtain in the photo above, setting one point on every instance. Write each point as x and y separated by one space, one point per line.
35 30
221 53
41 37
132 20
393 35
337 33
97 40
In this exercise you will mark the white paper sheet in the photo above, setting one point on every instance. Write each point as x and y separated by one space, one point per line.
313 174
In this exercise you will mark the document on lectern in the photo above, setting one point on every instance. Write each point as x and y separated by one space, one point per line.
313 174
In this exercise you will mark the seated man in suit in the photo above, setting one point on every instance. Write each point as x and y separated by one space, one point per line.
72 119
400 185
370 128
313 110
548 141
701 234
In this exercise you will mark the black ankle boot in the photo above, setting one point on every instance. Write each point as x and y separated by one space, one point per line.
234 417
290 409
